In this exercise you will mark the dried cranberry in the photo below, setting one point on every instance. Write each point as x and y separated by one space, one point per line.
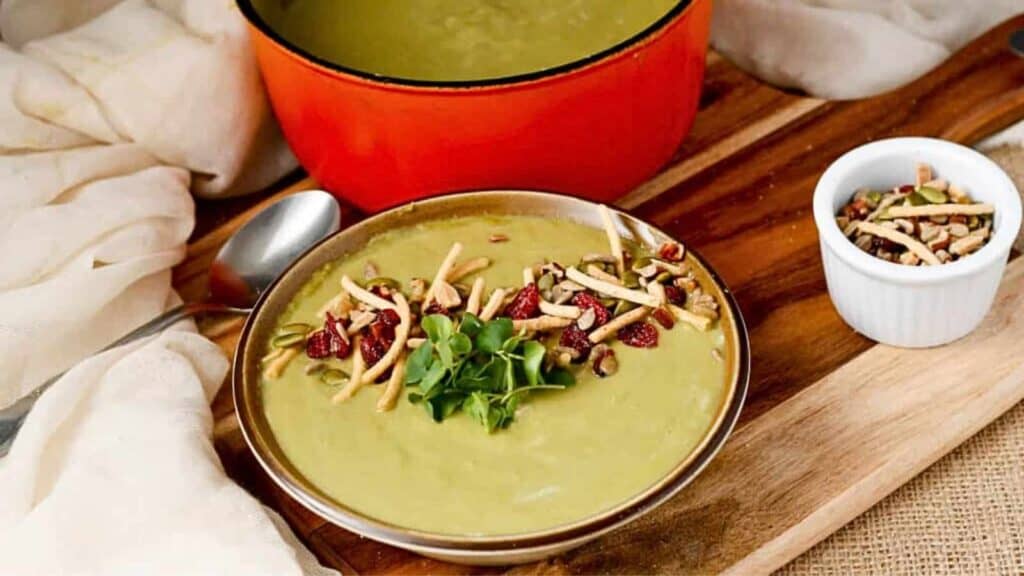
323 343
338 342
333 325
389 317
526 304
381 331
576 339
907 188
585 301
372 349
318 344
640 334
664 317
382 328
675 295
382 291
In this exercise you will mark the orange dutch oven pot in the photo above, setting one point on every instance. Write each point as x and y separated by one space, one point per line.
594 128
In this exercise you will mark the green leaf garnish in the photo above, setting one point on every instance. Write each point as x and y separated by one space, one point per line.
461 344
419 362
493 334
438 327
432 378
481 368
470 325
533 357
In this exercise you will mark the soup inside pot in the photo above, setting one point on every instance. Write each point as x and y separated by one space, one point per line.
458 40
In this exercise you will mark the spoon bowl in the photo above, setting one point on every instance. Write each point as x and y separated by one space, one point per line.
261 249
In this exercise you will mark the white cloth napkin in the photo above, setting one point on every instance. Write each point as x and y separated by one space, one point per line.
115 474
841 49
111 111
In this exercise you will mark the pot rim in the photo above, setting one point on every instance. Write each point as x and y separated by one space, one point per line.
601 522
651 32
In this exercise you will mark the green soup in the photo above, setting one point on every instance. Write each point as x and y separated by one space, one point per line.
458 39
568 455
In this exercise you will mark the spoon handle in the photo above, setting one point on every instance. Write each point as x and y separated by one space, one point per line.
13 416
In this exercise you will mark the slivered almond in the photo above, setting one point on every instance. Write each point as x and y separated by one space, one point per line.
355 381
614 240
923 173
913 245
600 274
442 271
966 245
528 276
476 293
610 289
276 366
446 295
493 304
561 310
939 210
364 295
617 323
389 396
701 323
468 267
541 323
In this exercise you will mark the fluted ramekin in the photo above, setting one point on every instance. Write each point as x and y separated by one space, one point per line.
910 306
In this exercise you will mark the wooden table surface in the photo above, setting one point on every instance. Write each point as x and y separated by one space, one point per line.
833 421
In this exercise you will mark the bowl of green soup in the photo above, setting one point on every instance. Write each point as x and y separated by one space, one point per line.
384 101
491 377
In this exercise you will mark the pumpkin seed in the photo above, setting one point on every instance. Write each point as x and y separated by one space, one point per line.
873 198
631 279
288 340
641 263
333 377
663 277
623 306
386 282
916 199
546 282
314 368
932 195
294 328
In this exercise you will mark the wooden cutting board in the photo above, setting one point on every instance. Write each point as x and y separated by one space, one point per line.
833 422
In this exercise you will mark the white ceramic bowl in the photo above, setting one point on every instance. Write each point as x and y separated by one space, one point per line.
904 305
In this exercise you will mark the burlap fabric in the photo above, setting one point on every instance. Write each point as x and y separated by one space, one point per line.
963 515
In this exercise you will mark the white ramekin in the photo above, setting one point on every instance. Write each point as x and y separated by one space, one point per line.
905 305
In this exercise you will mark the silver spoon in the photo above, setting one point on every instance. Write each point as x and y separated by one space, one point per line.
1017 42
244 267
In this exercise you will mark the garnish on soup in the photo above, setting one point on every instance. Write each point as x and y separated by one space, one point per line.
458 348
928 223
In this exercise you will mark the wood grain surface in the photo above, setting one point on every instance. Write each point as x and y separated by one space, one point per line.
833 422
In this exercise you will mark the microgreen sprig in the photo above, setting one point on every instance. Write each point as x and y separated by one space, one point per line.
482 368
